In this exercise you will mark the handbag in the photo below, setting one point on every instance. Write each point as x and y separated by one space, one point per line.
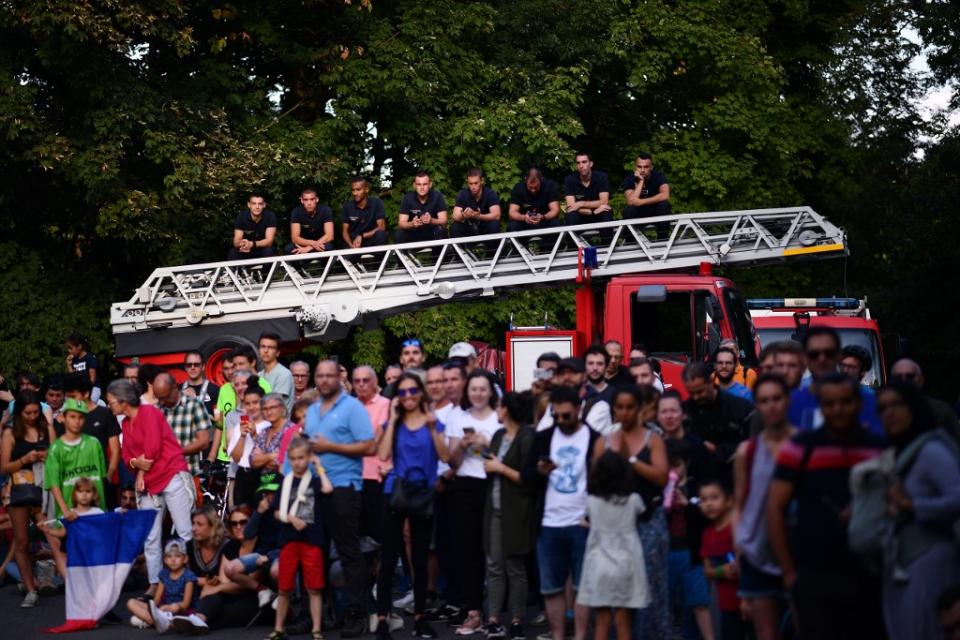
411 498
23 492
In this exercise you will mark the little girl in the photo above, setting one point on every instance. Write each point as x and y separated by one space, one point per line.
614 577
84 498
174 594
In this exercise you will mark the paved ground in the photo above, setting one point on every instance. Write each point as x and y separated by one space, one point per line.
20 624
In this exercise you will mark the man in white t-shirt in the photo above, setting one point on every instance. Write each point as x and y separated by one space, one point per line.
559 465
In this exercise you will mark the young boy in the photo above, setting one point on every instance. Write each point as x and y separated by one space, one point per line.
686 583
719 560
72 456
301 535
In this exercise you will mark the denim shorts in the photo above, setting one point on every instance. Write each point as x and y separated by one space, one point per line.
757 584
249 560
560 552
686 582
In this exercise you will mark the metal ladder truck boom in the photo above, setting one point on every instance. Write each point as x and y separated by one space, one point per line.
320 295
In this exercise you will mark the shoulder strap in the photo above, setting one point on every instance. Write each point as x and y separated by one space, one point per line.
749 455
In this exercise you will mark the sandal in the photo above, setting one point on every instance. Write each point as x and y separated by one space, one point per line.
471 625
316 635
276 635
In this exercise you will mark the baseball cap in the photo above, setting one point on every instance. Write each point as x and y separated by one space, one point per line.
268 482
176 545
72 404
574 364
462 350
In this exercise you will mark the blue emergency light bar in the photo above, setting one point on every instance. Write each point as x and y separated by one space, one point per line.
850 304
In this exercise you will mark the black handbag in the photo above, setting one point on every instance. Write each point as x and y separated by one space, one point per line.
412 498
26 495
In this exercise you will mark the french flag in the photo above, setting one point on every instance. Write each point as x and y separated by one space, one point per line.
100 551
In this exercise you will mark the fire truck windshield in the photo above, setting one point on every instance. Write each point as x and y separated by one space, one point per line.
862 337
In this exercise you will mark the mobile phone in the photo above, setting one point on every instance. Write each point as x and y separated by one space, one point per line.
542 374
469 431
488 455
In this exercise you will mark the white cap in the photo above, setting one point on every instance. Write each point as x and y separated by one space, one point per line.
462 350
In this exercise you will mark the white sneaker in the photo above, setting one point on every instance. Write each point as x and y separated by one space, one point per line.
30 600
161 619
394 621
265 597
405 603
138 623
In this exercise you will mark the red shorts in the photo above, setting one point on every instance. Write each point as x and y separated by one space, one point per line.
308 558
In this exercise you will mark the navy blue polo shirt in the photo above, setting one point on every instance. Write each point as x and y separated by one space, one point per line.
538 202
599 183
362 220
411 206
488 198
311 227
255 230
651 187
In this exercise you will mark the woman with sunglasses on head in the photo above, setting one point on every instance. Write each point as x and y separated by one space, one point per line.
24 448
471 431
924 501
266 448
414 440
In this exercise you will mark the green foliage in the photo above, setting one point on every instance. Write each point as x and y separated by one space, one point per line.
134 130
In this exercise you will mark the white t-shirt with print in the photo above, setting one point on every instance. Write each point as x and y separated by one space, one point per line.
566 500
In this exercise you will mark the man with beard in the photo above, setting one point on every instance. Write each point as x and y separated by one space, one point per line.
724 372
534 203
340 432
423 213
718 418
616 374
596 360
557 468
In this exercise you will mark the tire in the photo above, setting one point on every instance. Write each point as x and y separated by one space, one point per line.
214 351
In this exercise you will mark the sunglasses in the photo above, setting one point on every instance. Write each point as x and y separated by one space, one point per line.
816 354
403 393
412 342
904 377
239 523
564 416
192 365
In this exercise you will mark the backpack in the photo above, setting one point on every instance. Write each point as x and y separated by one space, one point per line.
871 529
870 526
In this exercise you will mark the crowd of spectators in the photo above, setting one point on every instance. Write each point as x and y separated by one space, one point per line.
731 504
535 202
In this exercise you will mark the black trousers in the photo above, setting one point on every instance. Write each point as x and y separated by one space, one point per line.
245 486
421 530
469 499
262 252
826 616
341 516
371 522
224 610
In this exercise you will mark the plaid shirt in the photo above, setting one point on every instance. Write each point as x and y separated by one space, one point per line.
187 419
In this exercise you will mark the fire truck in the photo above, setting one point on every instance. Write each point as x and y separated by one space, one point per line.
789 318
631 287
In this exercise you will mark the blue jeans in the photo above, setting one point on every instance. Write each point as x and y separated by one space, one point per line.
560 552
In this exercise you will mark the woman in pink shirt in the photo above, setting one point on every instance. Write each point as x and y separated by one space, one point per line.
163 481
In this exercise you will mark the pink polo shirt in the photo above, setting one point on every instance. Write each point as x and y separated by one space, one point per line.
150 435
378 408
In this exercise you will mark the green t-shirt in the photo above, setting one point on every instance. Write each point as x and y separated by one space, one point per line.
68 462
227 402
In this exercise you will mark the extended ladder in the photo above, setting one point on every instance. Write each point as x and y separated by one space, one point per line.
348 286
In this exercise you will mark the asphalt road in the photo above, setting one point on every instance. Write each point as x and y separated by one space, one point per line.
20 624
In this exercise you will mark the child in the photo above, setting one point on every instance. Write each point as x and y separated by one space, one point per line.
297 506
719 561
614 578
687 585
174 594
72 456
84 499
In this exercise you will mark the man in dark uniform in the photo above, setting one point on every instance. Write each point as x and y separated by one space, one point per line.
363 219
254 231
311 225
